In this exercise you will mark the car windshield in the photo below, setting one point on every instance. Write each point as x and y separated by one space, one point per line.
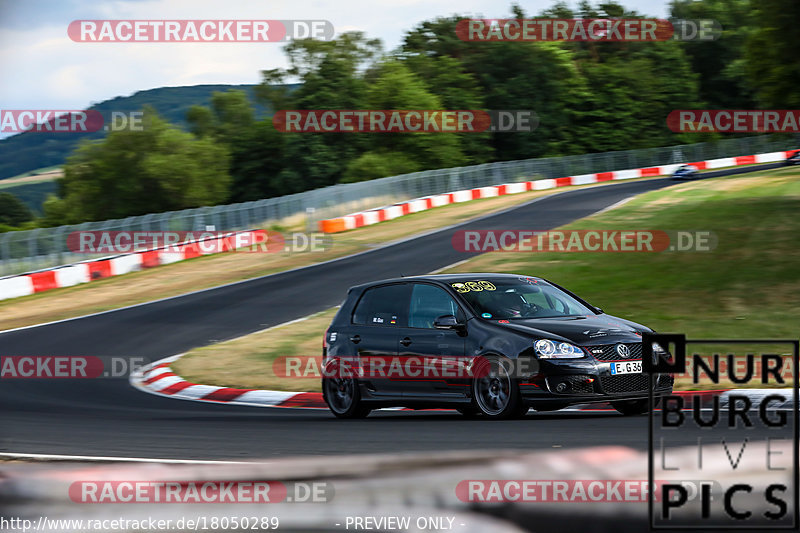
519 298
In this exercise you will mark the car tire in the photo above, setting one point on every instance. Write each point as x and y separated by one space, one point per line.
342 393
495 392
631 407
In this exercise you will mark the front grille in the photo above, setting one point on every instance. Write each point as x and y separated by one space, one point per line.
609 352
625 383
622 383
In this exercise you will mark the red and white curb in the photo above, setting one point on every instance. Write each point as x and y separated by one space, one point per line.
158 378
374 216
86 271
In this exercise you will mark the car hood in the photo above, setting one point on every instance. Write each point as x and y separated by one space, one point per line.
584 330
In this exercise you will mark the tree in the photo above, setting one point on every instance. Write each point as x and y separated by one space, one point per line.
331 76
633 91
159 168
256 149
13 212
537 76
393 86
446 78
378 163
771 61
719 64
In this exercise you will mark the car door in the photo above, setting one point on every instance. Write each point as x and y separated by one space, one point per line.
420 344
377 318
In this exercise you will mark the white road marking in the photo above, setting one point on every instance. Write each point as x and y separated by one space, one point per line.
51 457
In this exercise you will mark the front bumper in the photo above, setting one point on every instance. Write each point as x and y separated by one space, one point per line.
589 381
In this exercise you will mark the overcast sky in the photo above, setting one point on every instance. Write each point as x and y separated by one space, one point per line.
43 69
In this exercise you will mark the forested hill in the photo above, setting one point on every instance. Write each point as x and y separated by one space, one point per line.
33 150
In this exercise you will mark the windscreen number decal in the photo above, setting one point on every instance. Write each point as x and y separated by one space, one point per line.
474 286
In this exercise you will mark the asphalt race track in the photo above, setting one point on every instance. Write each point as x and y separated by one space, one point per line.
107 417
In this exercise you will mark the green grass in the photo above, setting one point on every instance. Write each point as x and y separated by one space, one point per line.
749 285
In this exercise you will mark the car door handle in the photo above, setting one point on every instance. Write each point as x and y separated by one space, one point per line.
405 342
355 339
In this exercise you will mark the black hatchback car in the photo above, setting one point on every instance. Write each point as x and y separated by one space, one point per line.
491 345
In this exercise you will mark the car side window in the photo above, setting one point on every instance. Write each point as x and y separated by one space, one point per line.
429 302
382 306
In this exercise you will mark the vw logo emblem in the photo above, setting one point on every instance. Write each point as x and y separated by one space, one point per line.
623 351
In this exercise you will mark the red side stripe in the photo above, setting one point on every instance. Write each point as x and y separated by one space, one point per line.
190 251
652 171
563 182
158 377
177 387
605 176
225 395
43 281
150 259
305 399
99 269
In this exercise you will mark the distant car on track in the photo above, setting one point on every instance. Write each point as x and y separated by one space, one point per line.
516 342
793 159
685 172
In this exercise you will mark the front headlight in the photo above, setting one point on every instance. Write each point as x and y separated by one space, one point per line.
547 349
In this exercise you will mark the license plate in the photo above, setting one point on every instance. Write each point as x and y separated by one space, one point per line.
627 367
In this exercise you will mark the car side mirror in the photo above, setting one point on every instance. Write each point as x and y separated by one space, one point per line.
447 322
598 310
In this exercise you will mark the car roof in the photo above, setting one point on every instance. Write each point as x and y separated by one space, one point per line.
447 278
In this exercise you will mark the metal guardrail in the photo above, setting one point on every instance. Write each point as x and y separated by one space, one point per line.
25 251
